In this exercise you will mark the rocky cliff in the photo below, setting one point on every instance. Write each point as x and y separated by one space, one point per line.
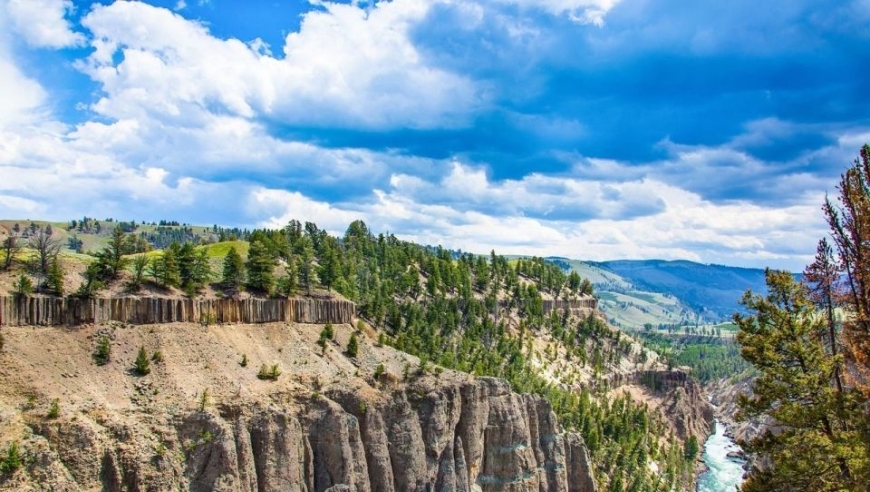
48 310
326 424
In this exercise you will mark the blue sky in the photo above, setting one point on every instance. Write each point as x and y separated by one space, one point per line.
592 129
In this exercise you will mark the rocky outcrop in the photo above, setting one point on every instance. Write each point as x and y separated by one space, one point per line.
685 403
45 310
470 436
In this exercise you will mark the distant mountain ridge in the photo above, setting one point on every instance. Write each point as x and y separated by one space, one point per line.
713 291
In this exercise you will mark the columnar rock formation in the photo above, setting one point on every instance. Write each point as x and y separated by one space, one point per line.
472 436
41 310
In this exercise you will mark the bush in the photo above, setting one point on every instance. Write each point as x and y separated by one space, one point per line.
380 371
103 352
352 346
244 362
143 365
328 332
12 461
270 373
54 410
157 357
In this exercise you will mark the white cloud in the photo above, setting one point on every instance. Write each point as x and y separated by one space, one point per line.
278 207
43 23
346 67
21 98
583 11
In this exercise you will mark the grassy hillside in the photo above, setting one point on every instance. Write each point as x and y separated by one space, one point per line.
713 291
628 306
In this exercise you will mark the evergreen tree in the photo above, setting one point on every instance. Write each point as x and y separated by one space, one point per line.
103 351
54 279
143 363
260 266
111 258
140 264
330 267
166 266
23 286
307 274
811 416
92 282
234 270
352 346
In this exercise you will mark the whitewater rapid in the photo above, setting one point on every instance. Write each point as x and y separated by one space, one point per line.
724 474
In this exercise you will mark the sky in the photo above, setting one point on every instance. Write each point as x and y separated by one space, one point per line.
591 129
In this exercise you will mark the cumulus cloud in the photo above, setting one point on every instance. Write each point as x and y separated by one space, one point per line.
346 66
43 23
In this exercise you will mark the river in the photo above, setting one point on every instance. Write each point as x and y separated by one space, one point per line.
725 474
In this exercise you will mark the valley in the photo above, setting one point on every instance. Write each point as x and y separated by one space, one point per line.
575 401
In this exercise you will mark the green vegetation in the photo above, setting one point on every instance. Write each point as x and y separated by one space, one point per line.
709 357
12 460
233 270
270 373
103 351
813 385
352 346
53 409
23 286
204 400
474 313
142 365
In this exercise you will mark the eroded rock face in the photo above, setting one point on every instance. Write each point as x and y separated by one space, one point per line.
470 436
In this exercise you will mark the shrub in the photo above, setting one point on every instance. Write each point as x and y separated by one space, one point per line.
380 371
103 352
244 362
269 372
157 357
203 400
12 461
352 346
143 365
328 332
54 410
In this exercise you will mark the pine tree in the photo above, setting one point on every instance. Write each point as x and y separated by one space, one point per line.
140 264
234 270
811 417
169 274
23 286
143 364
260 265
111 258
307 274
103 351
352 346
54 279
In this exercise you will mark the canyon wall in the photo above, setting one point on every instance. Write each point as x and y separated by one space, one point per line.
45 310
464 437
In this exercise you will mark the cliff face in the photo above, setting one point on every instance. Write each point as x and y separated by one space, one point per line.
467 437
324 425
684 402
70 311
